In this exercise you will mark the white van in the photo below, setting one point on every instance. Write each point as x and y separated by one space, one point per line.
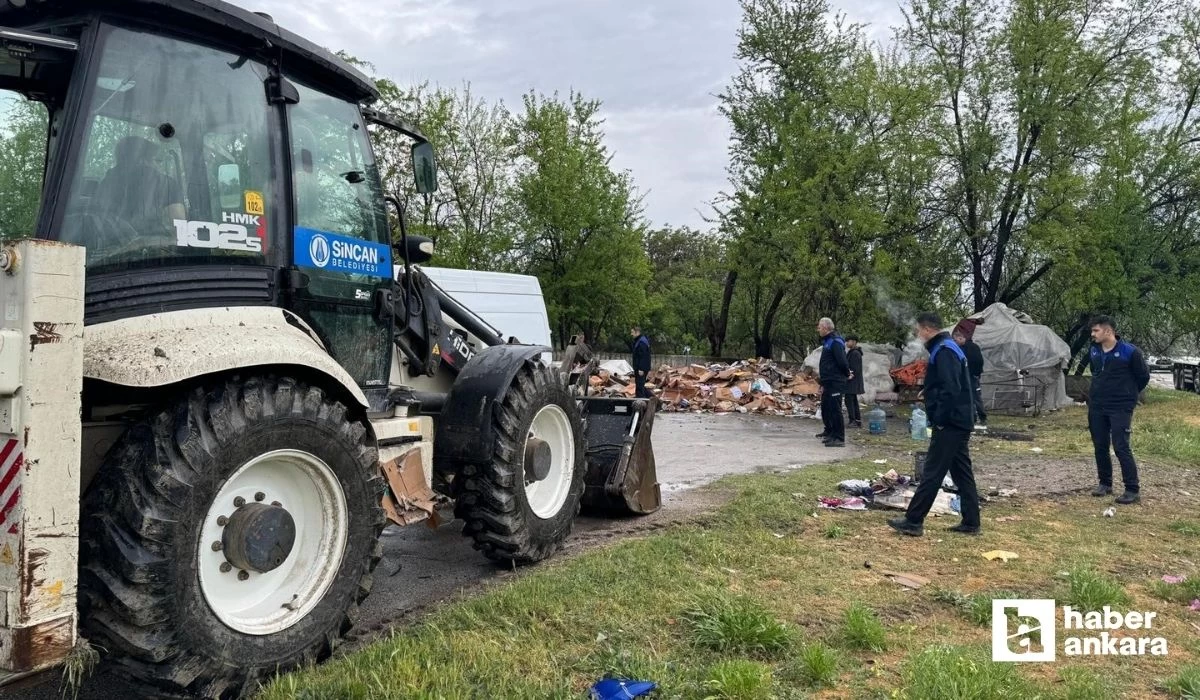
511 303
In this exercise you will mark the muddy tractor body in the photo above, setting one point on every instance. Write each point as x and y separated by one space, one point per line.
223 371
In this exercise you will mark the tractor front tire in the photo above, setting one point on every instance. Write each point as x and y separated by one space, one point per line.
513 517
269 473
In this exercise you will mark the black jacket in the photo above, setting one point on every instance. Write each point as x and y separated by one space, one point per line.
949 399
856 385
641 354
974 358
834 368
1117 377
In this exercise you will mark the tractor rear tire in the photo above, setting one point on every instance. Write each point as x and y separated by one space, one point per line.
511 520
150 590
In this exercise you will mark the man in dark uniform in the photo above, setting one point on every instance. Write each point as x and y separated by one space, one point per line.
950 405
641 362
962 336
1119 373
834 375
855 387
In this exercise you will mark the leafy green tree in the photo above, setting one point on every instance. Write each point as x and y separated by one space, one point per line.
22 164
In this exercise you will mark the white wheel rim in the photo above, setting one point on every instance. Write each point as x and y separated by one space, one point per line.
265 603
547 496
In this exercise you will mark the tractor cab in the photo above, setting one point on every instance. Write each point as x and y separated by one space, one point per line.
205 157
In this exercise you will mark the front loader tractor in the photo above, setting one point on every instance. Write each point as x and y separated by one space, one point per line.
222 373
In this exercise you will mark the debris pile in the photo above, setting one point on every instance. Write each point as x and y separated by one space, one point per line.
747 386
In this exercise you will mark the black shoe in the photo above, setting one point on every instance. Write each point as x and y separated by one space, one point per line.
835 443
964 529
904 527
822 436
1101 491
1129 498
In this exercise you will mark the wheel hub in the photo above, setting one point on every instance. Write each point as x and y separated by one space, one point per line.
538 459
259 537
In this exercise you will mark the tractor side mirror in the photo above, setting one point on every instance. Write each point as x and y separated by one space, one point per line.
229 184
424 167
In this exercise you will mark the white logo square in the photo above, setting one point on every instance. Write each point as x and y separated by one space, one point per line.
1030 637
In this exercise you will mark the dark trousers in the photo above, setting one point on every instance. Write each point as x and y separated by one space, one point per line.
639 380
831 413
980 414
948 453
853 412
1113 427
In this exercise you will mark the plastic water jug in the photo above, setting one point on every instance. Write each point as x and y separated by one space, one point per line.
918 424
876 421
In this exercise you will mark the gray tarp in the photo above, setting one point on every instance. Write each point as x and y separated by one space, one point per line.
1023 362
877 364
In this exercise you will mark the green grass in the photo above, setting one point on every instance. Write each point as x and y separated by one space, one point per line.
736 624
632 608
834 531
1185 684
1085 684
1090 590
862 629
945 672
1184 592
815 666
738 679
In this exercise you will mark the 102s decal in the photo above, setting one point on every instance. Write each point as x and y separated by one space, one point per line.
233 233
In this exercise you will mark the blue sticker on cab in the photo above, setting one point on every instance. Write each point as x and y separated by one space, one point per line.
332 252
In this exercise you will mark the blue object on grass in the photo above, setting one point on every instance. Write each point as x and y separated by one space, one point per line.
618 689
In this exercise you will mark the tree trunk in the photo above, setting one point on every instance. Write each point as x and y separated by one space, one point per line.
762 341
718 326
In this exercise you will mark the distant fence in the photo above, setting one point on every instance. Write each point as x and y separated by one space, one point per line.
657 361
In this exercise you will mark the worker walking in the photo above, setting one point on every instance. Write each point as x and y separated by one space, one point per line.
962 335
1119 374
641 362
855 387
834 376
949 404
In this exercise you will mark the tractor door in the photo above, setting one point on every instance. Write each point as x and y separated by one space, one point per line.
341 237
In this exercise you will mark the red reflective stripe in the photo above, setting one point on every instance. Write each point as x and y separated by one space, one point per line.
11 473
12 502
8 448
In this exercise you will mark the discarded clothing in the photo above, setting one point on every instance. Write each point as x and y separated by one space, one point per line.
618 689
852 503
857 487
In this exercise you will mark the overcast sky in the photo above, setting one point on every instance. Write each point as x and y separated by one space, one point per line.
655 64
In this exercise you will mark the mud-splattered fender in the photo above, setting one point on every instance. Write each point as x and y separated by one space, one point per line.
162 349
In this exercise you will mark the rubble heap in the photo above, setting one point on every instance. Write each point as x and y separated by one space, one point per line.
748 386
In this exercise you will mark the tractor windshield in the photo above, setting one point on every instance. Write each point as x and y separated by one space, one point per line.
176 160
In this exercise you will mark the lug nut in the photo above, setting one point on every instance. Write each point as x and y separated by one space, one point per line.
216 546
222 521
260 496
226 567
243 575
239 502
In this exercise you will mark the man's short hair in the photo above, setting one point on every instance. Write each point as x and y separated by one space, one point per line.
852 337
1102 320
930 320
636 328
827 323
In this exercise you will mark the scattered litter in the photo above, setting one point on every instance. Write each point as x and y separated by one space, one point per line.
1000 554
956 504
621 689
851 503
1110 512
729 571
880 461
777 535
1008 519
1168 578
907 580
1195 606
1035 449
600 637
866 564
1003 493
857 487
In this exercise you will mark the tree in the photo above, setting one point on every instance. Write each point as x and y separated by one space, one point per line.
688 269
22 165
578 222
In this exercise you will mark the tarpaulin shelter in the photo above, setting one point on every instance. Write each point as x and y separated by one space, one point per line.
1023 362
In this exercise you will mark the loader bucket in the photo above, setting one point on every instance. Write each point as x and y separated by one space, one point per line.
621 479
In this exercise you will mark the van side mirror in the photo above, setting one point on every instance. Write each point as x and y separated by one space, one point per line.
424 167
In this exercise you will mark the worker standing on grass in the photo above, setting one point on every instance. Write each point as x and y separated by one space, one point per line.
962 336
641 362
1119 374
855 387
834 376
950 405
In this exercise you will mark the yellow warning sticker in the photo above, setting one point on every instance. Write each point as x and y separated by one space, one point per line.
254 203
6 556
